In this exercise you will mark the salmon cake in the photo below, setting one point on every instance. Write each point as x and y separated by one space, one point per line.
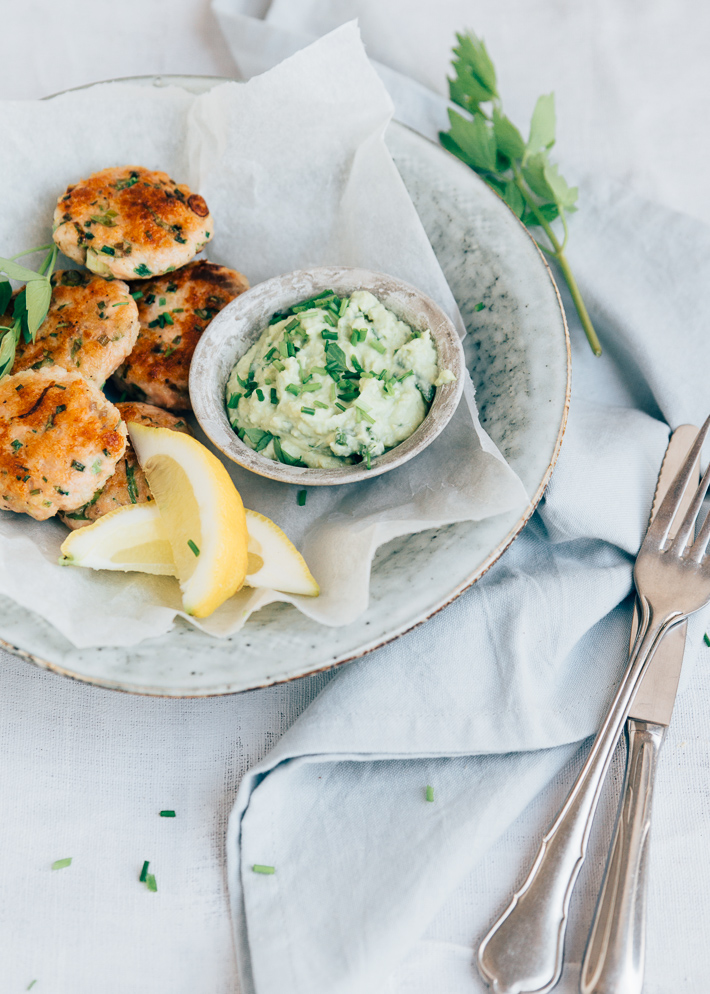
91 326
60 439
131 223
173 312
128 484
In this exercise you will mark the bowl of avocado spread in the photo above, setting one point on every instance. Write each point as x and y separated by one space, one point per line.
327 376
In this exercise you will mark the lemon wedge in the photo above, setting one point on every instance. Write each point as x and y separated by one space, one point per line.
133 538
273 560
201 512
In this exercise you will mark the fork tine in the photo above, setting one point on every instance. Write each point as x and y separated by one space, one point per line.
697 549
661 524
688 523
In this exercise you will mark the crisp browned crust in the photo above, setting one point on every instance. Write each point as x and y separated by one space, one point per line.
174 311
131 223
60 439
128 484
91 326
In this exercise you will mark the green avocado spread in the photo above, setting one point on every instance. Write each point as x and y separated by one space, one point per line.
333 380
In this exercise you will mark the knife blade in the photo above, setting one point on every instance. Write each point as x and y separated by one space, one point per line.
656 694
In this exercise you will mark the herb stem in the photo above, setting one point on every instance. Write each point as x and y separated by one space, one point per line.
40 248
558 254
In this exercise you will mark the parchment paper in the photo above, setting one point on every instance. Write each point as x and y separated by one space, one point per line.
296 173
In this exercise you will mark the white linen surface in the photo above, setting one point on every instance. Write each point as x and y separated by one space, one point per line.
524 661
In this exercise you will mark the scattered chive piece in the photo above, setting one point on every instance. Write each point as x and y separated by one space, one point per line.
150 882
292 388
109 251
341 406
329 336
410 372
16 445
137 294
78 466
144 872
193 547
479 307
279 365
307 410
302 494
123 304
274 396
234 400
319 403
430 793
319 369
167 814
378 347
30 985
59 864
364 414
260 394
368 463
706 638
310 387
258 868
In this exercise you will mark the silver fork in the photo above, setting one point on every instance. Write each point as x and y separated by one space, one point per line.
522 953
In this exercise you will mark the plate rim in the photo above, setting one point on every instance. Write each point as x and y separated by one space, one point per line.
168 79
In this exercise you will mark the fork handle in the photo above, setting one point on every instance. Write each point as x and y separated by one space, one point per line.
522 953
614 958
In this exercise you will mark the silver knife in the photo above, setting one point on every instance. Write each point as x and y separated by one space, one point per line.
614 958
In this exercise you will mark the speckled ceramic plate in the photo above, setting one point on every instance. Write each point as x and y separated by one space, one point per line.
517 350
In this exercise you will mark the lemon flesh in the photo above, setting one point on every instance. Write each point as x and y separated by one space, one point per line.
133 538
201 512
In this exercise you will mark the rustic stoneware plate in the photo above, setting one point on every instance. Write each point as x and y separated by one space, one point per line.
235 329
517 350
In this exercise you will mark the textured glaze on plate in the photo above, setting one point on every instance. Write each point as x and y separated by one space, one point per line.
518 354
237 326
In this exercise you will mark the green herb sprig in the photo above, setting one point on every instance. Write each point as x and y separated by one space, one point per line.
31 303
519 171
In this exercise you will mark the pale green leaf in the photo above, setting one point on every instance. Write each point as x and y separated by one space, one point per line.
17 272
472 55
466 91
513 198
534 173
542 125
476 140
564 195
510 141
38 296
7 352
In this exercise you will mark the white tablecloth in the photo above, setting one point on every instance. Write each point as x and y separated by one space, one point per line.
85 771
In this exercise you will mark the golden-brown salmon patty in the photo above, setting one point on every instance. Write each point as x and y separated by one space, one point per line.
174 311
128 484
91 326
131 223
60 439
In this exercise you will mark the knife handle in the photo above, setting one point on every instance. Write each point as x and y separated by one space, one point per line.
614 957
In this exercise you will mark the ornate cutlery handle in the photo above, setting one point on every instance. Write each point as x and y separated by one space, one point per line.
522 953
613 960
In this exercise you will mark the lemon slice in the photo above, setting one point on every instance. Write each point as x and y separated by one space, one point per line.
133 538
274 561
202 514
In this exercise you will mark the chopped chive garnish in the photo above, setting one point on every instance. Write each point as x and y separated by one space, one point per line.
131 483
368 463
319 369
141 270
333 391
162 301
293 323
137 294
479 307
292 388
430 793
410 372
260 394
279 365
378 346
274 396
302 494
363 414
341 406
193 548
16 444
706 638
150 882
59 864
234 400
78 466
310 387
144 872
329 336
167 814
283 348
30 985
109 251
358 335
166 318
259 868
307 410
122 304
319 403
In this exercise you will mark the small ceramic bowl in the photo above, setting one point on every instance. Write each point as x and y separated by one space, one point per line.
235 329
